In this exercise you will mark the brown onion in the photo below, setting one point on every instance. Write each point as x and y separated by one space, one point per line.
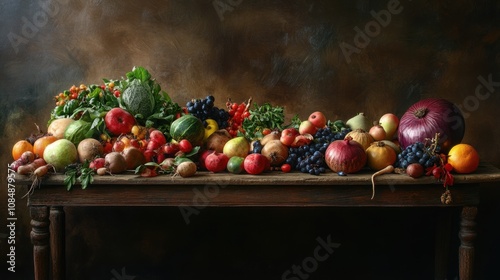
217 140
345 155
275 152
362 137
379 155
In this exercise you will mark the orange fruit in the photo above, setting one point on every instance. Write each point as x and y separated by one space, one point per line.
463 158
41 143
20 147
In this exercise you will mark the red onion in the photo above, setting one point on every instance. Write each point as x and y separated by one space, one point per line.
345 155
430 116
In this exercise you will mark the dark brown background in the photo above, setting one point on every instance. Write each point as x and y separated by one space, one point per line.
284 52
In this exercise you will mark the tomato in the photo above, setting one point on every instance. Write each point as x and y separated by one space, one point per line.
234 106
237 115
74 89
286 168
74 95
266 131
117 93
245 114
185 146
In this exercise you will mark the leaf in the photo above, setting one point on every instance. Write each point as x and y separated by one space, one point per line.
139 73
70 178
193 152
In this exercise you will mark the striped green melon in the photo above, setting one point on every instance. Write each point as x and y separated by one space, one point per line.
188 127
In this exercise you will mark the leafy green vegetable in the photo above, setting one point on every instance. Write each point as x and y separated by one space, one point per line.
78 173
295 122
336 126
163 112
262 117
91 105
93 102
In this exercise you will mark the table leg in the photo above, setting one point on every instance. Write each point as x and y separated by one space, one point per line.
467 236
442 243
57 242
40 239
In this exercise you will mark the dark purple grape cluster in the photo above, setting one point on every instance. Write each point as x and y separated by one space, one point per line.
311 158
205 109
417 153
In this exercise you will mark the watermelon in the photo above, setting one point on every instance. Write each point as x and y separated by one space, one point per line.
188 127
138 99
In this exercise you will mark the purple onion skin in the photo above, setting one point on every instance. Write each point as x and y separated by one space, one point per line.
430 116
345 155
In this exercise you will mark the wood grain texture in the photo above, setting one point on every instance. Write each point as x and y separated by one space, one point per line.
40 240
57 241
467 236
269 189
485 173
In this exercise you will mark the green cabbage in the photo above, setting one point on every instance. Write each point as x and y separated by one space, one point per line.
138 99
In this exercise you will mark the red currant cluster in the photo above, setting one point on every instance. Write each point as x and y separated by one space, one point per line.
237 113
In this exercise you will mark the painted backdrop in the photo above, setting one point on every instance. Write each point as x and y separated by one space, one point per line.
339 57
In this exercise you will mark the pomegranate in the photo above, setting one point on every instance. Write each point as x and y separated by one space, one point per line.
216 162
255 164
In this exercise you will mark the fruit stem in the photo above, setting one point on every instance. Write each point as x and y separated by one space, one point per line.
248 104
420 113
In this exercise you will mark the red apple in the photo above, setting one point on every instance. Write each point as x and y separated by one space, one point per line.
157 136
119 121
318 119
288 136
307 127
390 124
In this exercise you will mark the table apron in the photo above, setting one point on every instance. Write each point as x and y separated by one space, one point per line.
214 195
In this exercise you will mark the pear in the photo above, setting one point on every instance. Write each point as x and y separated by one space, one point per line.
238 146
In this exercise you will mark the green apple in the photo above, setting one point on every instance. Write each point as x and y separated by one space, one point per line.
60 153
390 123
235 164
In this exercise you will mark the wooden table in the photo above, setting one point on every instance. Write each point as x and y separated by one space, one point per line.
271 189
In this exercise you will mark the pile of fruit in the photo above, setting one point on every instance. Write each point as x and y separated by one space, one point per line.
130 124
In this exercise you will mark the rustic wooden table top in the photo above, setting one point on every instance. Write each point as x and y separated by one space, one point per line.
268 189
